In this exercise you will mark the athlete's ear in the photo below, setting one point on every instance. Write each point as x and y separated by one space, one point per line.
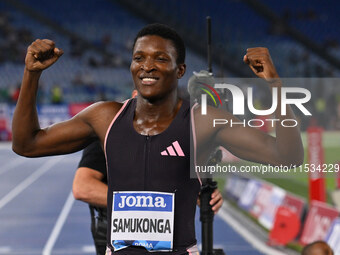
181 70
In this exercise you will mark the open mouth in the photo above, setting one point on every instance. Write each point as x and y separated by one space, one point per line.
149 80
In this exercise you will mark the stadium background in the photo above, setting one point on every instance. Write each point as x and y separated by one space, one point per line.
302 37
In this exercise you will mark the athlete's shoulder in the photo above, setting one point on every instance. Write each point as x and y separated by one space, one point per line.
100 113
103 108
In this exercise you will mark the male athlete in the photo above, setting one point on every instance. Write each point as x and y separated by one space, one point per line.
90 186
135 134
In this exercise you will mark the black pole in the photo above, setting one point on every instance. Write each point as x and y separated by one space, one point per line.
209 44
206 213
208 186
207 216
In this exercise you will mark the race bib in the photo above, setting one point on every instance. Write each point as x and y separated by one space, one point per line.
142 218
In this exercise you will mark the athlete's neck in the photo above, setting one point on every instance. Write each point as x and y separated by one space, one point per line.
152 118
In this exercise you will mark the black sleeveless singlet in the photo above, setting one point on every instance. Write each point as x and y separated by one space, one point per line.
161 162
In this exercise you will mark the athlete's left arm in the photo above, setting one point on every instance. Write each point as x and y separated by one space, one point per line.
252 144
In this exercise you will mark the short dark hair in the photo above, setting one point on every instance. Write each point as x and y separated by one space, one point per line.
165 32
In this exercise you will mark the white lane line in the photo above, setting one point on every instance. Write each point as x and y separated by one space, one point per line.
29 180
5 249
13 163
247 235
5 145
89 249
58 225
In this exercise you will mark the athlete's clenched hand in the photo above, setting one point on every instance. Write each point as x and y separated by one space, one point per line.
41 54
261 63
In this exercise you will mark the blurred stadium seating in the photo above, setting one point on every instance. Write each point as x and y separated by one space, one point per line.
97 37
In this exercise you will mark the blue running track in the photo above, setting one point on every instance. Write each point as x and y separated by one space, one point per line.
38 214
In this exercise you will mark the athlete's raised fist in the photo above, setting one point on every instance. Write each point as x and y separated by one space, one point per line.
261 63
41 54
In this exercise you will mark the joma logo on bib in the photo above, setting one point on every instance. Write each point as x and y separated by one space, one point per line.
147 217
141 201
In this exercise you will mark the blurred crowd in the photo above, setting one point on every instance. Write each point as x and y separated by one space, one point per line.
325 103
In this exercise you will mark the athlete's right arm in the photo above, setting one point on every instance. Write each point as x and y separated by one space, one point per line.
28 138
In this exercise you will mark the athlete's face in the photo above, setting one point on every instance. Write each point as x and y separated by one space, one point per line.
154 69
